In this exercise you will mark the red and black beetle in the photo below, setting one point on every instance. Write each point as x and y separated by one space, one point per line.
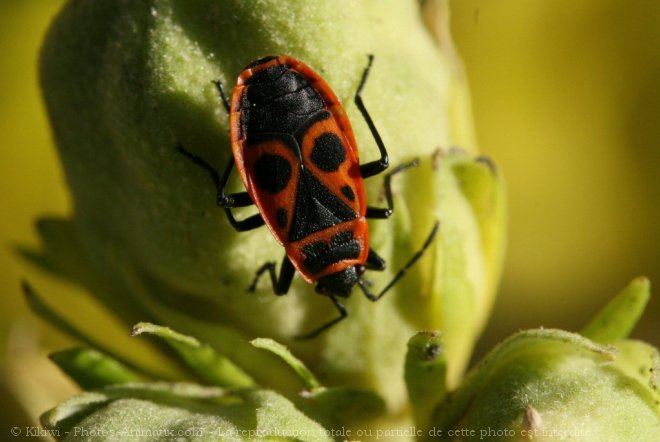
295 151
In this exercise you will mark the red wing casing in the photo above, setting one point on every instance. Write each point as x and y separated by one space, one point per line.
295 151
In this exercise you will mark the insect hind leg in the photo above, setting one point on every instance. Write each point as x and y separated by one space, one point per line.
343 313
282 284
401 273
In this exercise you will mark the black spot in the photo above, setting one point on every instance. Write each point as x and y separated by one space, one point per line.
328 152
272 172
281 217
348 192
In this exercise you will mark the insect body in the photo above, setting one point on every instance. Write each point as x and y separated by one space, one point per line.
296 154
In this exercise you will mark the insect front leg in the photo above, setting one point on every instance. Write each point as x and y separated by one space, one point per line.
343 313
282 284
374 167
223 199
221 92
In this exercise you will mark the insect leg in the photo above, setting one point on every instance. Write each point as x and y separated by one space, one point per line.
386 212
223 96
251 222
280 285
403 270
374 261
374 167
342 314
225 200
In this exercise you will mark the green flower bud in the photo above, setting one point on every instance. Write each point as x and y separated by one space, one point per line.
125 82
164 411
554 385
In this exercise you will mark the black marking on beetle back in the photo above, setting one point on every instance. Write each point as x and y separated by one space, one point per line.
272 173
317 208
281 217
328 152
319 255
277 100
347 191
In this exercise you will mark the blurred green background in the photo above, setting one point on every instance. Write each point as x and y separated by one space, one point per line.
566 99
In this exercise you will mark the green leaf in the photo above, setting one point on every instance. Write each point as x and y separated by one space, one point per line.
45 312
469 253
426 371
61 253
91 369
333 407
618 318
180 412
337 407
485 191
209 365
296 364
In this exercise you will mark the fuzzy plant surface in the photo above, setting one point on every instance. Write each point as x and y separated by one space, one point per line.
126 82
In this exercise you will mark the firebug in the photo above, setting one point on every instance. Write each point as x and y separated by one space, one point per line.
295 151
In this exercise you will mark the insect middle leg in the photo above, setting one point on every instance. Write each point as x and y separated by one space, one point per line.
282 284
374 261
226 200
386 212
